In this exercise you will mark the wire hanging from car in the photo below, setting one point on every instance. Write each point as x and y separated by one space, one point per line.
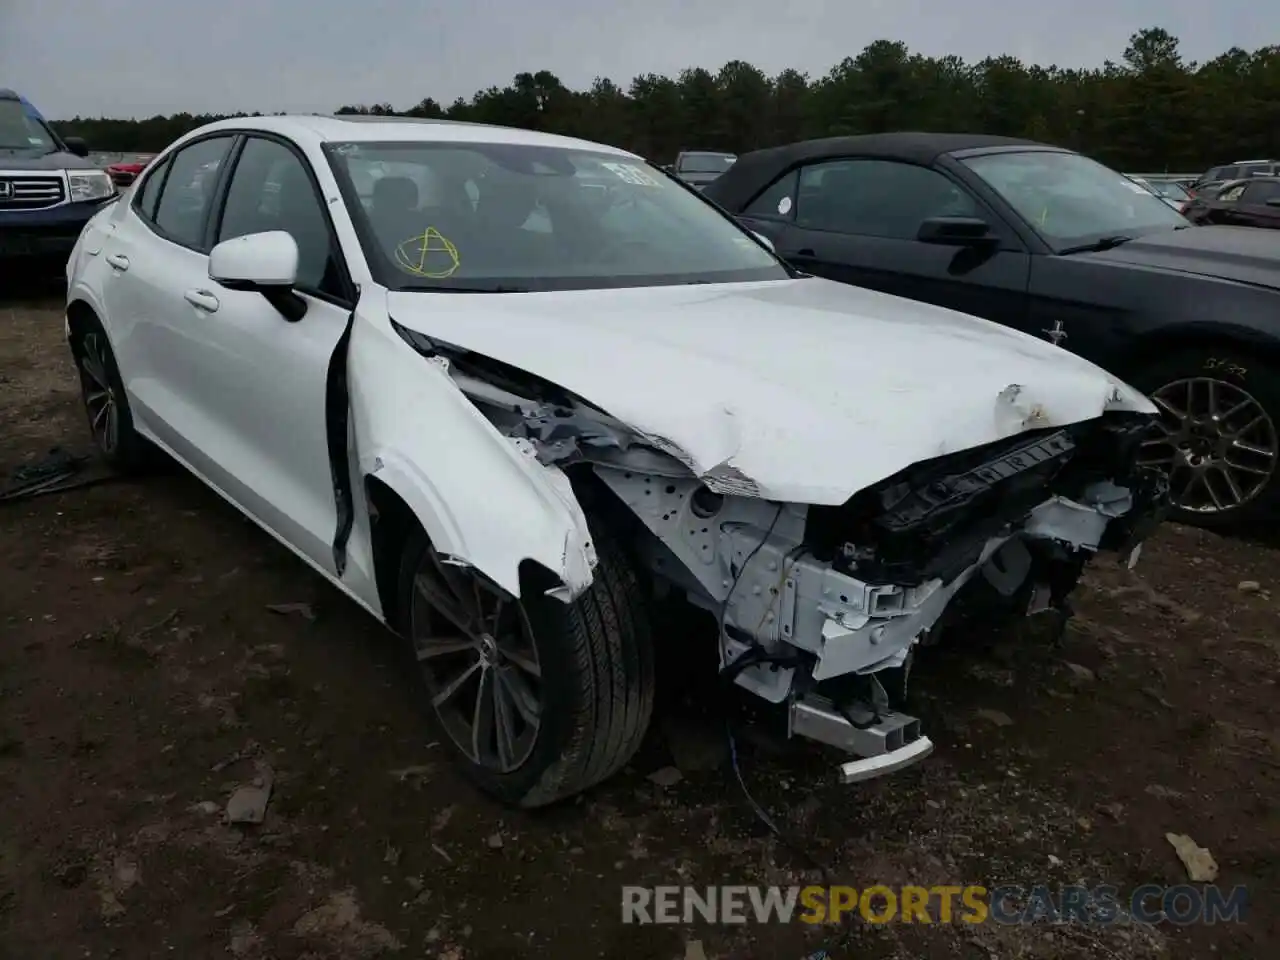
758 654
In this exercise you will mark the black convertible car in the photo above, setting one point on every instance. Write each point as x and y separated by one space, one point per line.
1052 243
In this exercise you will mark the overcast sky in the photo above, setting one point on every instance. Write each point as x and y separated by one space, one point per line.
141 57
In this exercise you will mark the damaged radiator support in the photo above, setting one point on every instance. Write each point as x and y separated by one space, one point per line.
748 561
806 595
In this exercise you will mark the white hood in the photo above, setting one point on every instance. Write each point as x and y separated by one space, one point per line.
804 391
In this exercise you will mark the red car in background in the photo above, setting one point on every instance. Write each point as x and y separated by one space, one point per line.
126 171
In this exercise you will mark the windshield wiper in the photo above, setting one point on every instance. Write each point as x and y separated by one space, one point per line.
446 288
1104 243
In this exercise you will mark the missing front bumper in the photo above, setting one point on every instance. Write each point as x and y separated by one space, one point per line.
885 743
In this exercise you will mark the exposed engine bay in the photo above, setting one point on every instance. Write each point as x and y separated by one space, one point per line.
810 594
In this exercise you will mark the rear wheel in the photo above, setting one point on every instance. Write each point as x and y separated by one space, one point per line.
1218 440
105 403
537 699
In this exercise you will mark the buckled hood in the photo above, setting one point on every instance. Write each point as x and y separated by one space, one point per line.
799 390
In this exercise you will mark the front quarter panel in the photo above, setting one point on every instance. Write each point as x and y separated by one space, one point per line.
1120 315
86 271
481 497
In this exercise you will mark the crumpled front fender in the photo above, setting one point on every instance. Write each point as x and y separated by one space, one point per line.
481 498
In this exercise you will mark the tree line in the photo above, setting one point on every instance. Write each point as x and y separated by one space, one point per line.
1150 111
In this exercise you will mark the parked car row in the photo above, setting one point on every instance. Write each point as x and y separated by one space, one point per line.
1251 202
1240 170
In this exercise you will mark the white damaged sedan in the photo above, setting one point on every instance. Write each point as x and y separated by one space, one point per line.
504 388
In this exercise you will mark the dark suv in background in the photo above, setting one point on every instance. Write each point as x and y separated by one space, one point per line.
1239 170
48 190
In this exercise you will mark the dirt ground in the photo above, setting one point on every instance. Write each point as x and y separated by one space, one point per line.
143 679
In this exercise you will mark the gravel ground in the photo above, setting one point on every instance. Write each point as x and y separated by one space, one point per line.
144 678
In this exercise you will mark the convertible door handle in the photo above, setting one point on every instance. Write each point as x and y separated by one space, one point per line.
202 299
119 261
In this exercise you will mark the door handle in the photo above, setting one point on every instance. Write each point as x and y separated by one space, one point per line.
805 252
202 299
119 261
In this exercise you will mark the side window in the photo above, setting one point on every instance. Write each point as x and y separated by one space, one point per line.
1232 194
876 198
1260 191
188 192
777 201
149 190
270 190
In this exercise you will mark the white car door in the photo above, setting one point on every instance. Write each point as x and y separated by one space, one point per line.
254 383
157 252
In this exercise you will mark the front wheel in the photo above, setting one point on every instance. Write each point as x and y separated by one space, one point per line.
1218 440
538 699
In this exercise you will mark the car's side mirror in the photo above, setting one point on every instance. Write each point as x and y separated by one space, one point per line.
255 260
266 263
76 145
955 231
764 240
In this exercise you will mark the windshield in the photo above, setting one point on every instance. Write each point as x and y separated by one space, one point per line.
706 162
504 217
20 131
1071 200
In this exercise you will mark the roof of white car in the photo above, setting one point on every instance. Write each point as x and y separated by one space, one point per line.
359 127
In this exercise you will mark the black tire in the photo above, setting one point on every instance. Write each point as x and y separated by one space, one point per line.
106 406
1236 377
596 684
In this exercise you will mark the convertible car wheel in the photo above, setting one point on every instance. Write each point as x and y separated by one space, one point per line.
105 403
538 699
1219 413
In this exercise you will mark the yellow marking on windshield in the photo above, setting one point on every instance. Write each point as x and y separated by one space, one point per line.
430 254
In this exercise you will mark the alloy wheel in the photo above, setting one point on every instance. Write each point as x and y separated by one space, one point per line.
475 647
1217 444
100 399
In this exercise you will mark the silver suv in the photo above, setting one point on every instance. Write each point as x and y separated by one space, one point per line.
1240 169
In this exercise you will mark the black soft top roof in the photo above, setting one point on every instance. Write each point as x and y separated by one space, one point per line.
756 170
